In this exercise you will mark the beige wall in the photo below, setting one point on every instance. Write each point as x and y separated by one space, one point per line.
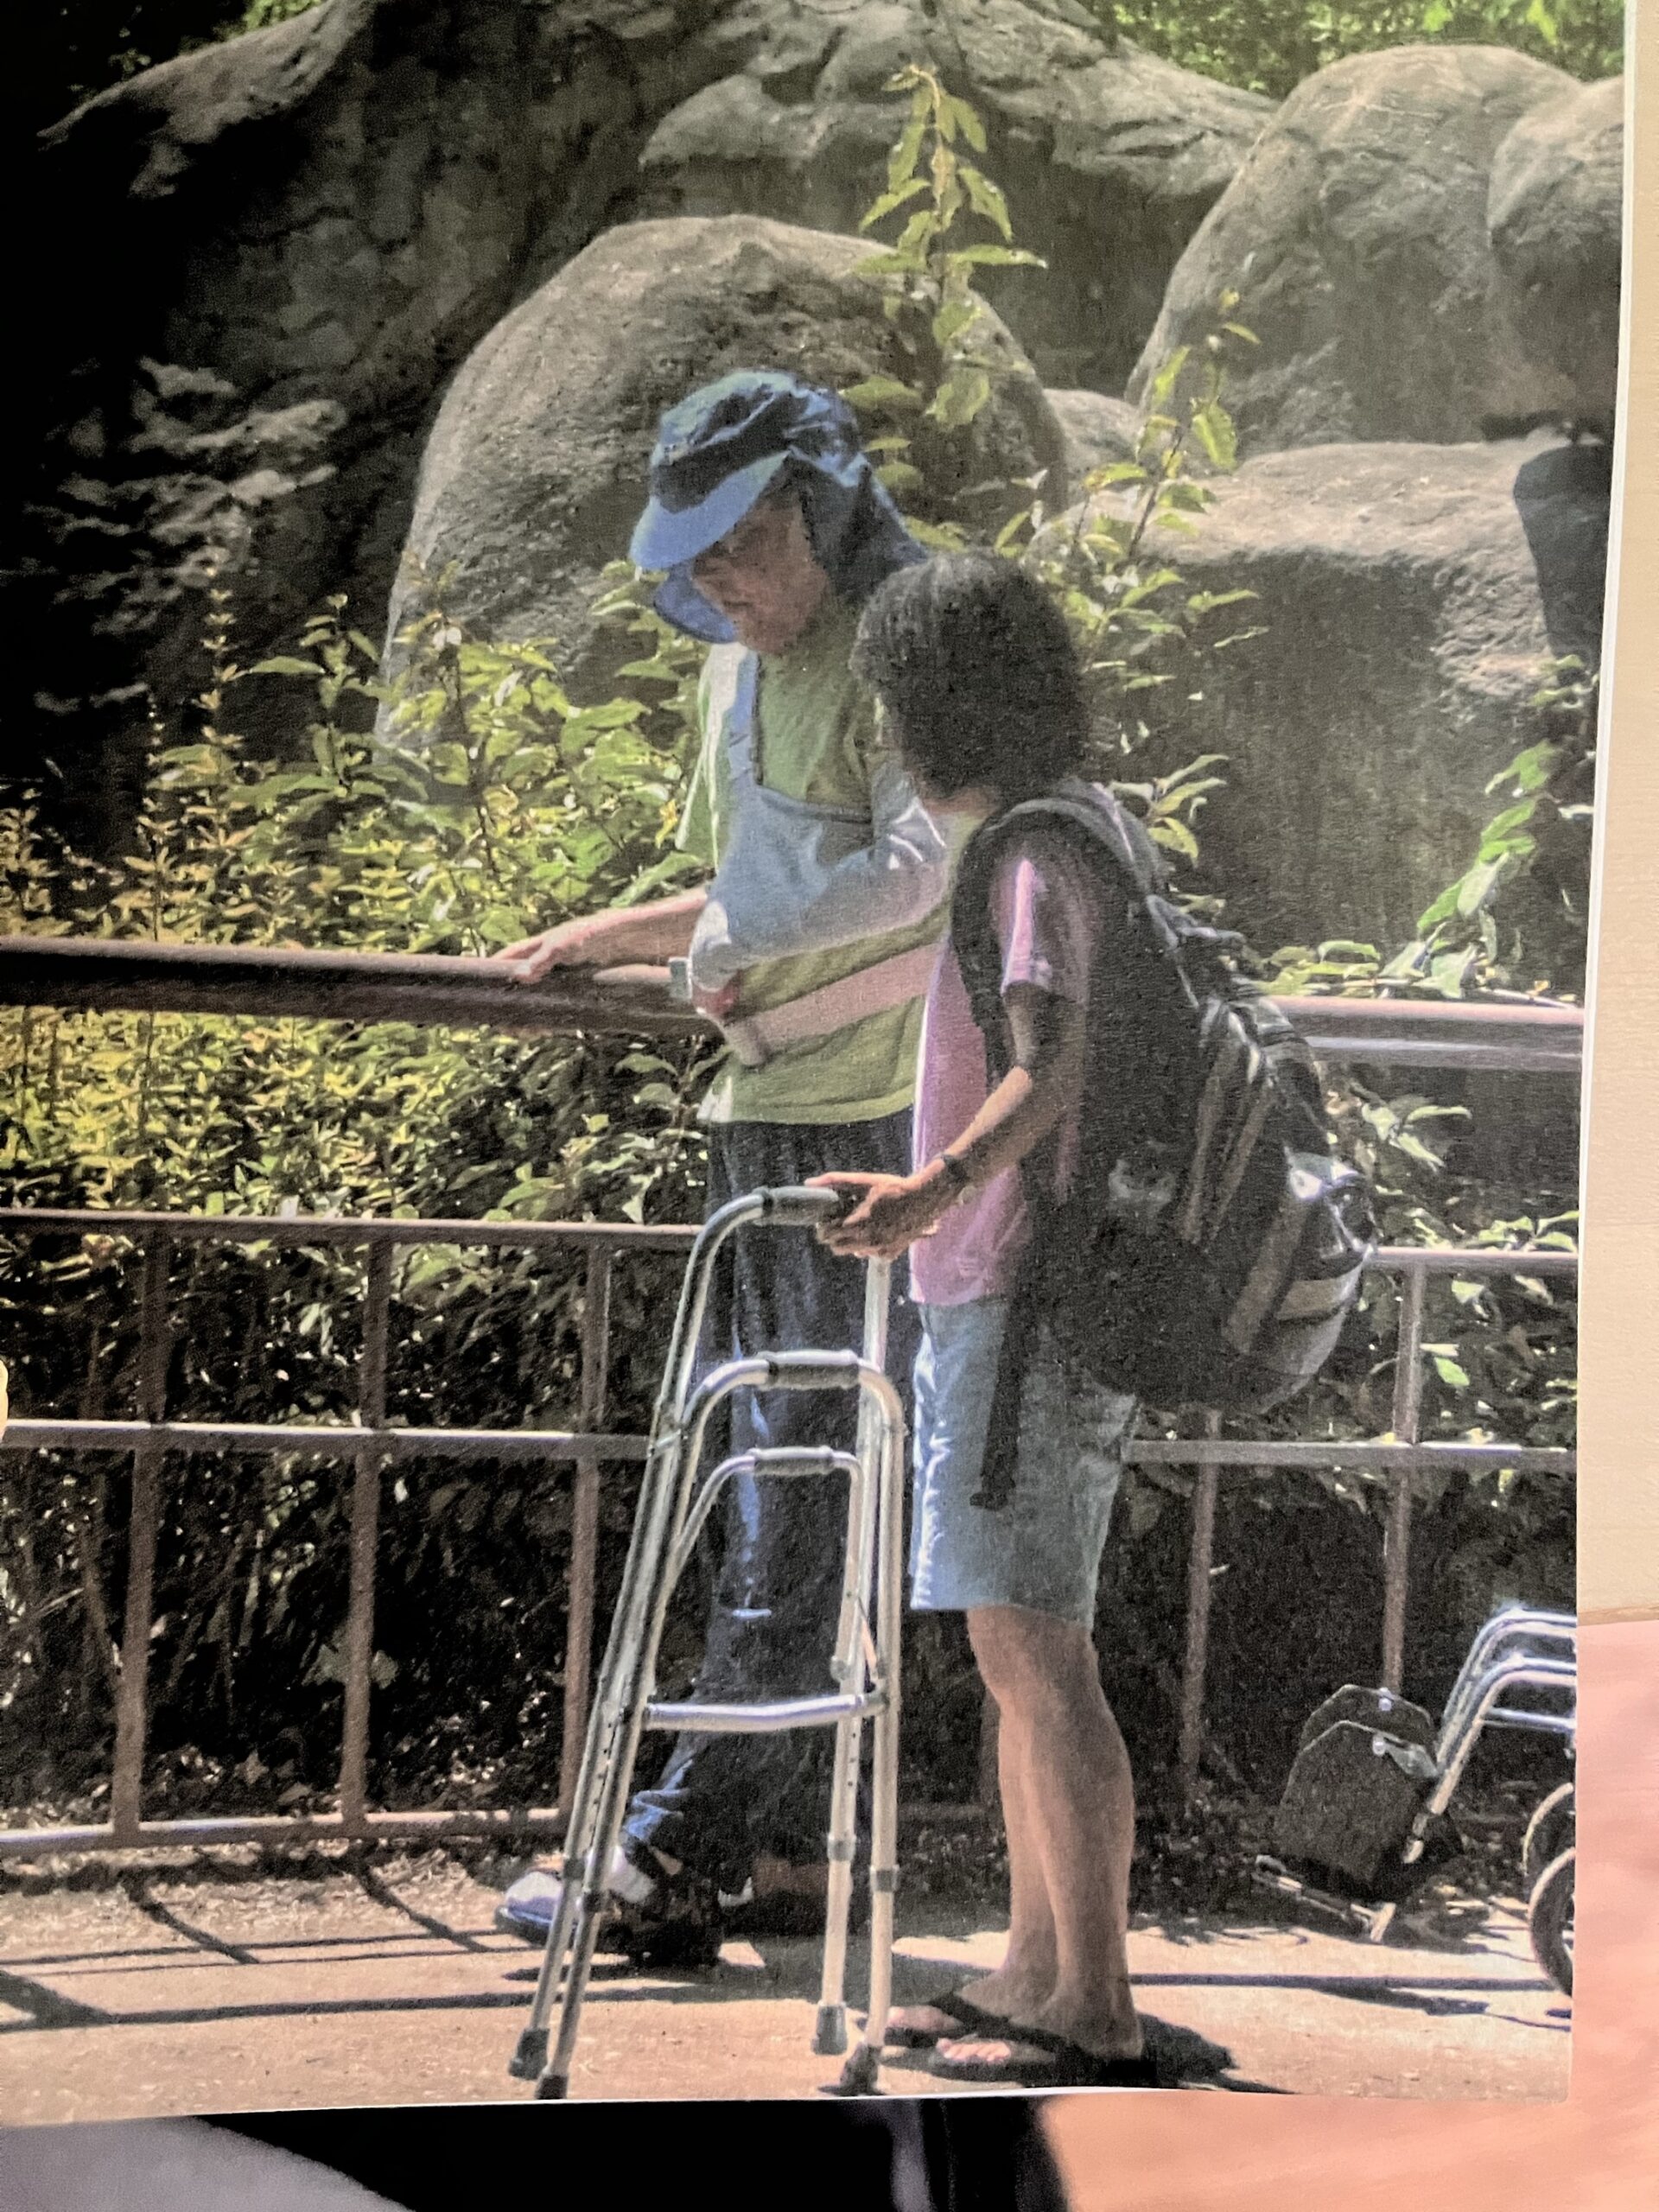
1618 1491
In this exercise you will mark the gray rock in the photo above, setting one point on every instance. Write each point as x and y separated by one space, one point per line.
1098 429
1355 234
1109 157
330 213
1553 211
1406 598
535 471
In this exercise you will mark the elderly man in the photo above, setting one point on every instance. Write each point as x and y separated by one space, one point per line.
812 946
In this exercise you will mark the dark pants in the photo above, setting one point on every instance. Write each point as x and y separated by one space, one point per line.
724 1800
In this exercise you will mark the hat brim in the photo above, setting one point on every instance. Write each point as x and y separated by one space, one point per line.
679 601
665 537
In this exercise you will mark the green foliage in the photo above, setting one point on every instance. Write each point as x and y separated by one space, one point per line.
1129 609
1137 623
494 803
926 278
260 12
1270 46
1516 923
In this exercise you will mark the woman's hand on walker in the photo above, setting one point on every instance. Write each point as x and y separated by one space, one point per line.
887 1216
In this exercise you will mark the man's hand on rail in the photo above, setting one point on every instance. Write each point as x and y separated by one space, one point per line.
658 931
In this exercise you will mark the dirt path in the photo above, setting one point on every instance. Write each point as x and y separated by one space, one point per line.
186 1990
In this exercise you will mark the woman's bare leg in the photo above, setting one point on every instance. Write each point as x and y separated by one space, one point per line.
1074 1811
1021 1985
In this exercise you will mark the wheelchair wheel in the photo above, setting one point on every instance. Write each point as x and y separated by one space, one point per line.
1550 1920
1552 1830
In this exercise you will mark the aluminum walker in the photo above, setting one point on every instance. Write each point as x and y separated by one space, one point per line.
673 1508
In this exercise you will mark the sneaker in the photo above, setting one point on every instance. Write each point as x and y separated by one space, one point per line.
658 1920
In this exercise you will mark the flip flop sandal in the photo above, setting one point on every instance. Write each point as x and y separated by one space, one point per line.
956 2007
1038 2059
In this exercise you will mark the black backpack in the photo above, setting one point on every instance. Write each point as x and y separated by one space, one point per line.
1212 1244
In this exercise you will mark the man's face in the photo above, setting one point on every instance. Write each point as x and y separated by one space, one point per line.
762 577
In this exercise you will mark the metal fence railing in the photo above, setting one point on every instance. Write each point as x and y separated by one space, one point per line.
1506 1038
374 1444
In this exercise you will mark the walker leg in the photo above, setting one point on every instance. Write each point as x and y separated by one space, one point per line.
618 1763
619 1690
554 2083
859 2075
530 2059
606 1775
829 2039
619 1756
851 1672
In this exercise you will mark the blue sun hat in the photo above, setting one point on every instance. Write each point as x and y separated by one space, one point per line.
723 448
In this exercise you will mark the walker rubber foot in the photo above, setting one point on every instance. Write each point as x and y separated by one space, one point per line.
858 2074
531 2057
829 2037
553 2089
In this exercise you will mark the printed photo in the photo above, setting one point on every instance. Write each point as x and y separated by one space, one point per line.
797 846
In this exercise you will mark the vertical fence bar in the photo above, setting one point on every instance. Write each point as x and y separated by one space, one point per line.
584 1520
1407 1427
144 1524
1200 1561
357 1642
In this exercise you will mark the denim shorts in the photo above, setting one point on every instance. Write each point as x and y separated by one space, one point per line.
1042 1549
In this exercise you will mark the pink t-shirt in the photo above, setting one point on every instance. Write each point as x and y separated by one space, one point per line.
1047 904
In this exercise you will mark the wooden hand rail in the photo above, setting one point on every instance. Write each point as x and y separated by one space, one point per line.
117 975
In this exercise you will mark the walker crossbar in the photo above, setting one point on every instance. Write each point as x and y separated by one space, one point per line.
673 1508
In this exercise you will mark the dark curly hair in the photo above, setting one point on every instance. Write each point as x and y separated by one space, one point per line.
976 671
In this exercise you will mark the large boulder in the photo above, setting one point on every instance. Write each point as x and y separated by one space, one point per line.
1406 598
1356 236
535 470
324 217
327 215
1109 157
1553 211
1097 430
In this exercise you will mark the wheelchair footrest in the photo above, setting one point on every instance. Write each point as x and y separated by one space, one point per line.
1371 1920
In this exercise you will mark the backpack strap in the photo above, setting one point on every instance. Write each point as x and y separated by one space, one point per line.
1130 862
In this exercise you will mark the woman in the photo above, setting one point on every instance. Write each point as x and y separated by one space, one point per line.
982 695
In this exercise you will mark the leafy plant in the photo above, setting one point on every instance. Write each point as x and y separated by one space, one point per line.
926 278
1129 609
1270 46
1133 617
1530 875
490 802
